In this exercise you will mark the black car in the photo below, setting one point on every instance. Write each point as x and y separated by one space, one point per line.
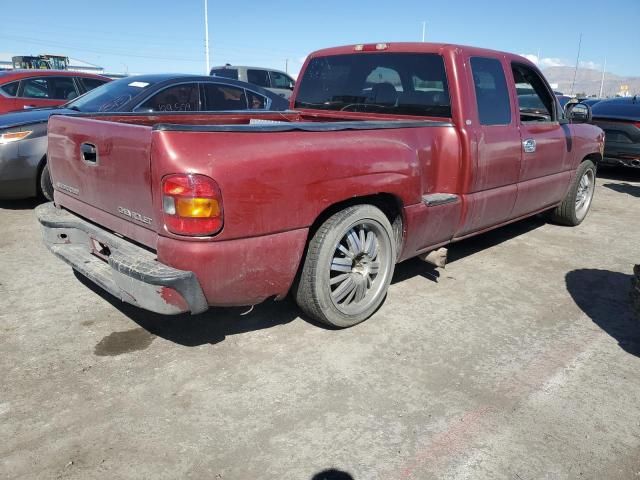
23 134
620 120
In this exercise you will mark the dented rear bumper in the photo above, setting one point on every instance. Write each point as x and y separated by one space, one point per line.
126 270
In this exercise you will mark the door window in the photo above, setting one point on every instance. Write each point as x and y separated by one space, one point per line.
224 97
91 83
258 77
35 88
535 101
62 88
179 98
280 80
492 94
10 89
255 101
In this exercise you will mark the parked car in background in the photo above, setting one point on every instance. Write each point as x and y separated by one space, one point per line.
23 134
393 151
21 89
620 120
273 80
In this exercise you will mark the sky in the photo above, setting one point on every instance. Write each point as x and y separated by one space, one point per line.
147 36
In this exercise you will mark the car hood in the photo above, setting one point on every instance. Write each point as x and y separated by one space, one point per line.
25 117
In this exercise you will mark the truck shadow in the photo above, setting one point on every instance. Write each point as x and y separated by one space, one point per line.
216 324
27 204
604 296
462 249
619 173
210 327
633 190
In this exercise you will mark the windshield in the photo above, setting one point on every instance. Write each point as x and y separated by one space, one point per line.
110 97
396 83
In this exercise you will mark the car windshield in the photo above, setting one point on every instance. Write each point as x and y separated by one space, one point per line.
394 83
110 97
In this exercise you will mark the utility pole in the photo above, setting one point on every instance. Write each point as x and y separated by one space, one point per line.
206 35
575 72
286 66
604 68
424 30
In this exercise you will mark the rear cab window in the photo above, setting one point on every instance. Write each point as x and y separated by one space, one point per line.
492 93
392 83
231 73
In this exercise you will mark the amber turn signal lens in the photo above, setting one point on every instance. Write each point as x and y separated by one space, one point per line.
197 207
13 136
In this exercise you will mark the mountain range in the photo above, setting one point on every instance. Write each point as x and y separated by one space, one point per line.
588 81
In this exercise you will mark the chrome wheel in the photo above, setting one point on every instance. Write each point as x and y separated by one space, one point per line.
359 267
584 193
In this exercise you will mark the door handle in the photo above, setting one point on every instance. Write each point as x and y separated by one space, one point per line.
89 153
529 145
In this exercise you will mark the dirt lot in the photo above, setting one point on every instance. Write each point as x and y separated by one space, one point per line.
520 361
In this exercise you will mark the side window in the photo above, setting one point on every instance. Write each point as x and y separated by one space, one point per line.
535 102
280 80
179 98
35 88
258 77
492 94
10 89
256 101
62 88
224 97
91 83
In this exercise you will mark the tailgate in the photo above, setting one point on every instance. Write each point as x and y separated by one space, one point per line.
102 171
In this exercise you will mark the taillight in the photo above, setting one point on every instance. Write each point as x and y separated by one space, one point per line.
192 205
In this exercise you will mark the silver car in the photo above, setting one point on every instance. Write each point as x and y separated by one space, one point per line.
276 81
23 134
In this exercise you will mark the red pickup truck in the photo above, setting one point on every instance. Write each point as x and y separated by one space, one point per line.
389 151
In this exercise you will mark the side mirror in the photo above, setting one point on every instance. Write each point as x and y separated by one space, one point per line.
292 85
578 112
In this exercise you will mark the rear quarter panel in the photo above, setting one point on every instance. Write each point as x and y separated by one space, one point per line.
274 182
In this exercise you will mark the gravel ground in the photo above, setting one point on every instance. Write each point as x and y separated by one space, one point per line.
519 361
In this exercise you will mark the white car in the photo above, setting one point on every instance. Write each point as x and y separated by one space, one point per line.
275 80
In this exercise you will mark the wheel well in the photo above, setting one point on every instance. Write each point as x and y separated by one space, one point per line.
43 162
390 205
594 157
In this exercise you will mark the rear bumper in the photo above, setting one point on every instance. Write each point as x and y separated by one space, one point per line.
126 270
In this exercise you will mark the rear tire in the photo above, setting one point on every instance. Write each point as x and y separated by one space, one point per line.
575 206
348 267
45 186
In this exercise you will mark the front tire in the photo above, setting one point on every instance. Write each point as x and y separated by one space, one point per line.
575 206
348 267
45 186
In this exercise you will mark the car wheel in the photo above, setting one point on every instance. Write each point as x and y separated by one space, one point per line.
348 267
45 187
575 206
